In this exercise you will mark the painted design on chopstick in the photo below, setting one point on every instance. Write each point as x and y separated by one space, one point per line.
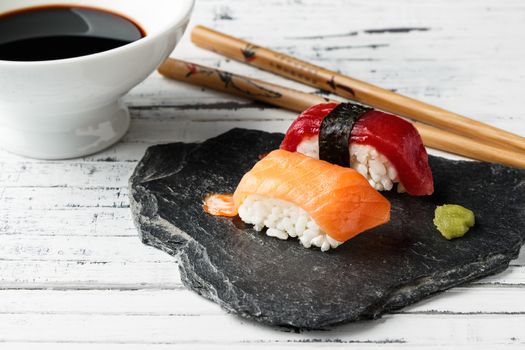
336 86
226 78
231 81
254 89
331 83
194 69
249 52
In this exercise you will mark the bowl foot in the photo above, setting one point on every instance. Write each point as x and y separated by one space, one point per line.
66 136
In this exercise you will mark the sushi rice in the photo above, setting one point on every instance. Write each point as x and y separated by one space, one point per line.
366 160
284 219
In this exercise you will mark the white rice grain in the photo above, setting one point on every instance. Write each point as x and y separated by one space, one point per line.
284 219
366 160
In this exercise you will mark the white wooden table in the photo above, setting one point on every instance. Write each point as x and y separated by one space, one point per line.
73 272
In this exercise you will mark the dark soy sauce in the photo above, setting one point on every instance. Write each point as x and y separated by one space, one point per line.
57 32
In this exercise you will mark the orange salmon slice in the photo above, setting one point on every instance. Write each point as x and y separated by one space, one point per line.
339 200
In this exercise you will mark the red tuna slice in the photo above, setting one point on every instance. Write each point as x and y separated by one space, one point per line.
306 125
395 138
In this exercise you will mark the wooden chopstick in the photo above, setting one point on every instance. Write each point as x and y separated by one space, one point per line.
351 88
298 101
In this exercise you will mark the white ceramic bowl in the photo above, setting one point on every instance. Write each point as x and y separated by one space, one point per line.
71 107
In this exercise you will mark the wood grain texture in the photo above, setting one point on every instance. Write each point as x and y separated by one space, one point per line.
398 329
73 273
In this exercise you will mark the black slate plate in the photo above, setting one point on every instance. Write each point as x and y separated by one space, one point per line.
280 282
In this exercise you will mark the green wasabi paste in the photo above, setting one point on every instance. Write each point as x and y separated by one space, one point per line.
453 220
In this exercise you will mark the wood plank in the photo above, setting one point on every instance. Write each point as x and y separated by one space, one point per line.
473 299
62 198
37 274
82 249
91 222
314 344
86 274
155 302
120 152
67 345
66 174
398 329
107 302
200 129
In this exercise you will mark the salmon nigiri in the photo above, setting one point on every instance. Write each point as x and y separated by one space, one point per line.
294 195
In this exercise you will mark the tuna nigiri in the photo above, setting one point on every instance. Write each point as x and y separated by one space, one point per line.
294 195
382 147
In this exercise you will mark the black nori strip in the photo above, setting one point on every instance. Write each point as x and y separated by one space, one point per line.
335 131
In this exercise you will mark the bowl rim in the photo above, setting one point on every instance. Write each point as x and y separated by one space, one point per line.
187 7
